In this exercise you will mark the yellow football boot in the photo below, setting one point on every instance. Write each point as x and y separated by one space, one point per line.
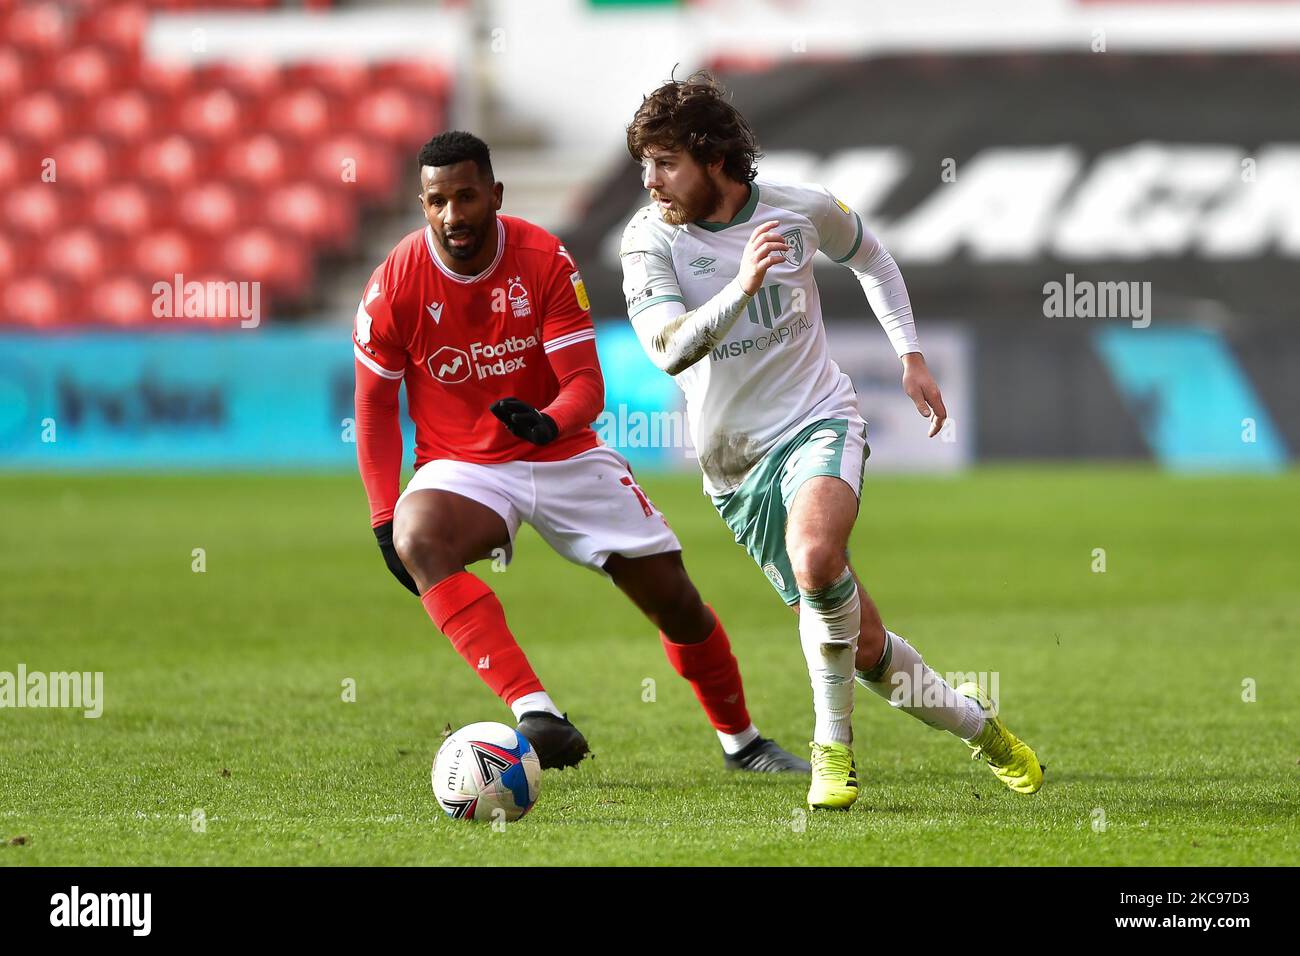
834 777
1008 756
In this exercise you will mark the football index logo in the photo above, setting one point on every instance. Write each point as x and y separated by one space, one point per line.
449 365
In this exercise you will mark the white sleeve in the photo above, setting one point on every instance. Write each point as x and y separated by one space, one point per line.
846 241
676 339
672 337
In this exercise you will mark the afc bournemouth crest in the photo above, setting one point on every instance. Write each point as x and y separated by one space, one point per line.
518 297
794 239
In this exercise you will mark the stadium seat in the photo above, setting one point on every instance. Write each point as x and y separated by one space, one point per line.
84 161
258 160
211 208
308 212
11 163
302 113
122 209
259 255
34 210
40 28
124 115
161 166
38 116
35 302
121 301
161 255
76 254
215 115
171 160
14 73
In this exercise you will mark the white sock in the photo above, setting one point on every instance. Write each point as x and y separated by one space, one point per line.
908 683
830 619
735 743
538 700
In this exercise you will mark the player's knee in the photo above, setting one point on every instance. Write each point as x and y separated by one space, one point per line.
425 551
678 611
816 564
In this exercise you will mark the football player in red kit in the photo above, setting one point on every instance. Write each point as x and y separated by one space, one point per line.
486 320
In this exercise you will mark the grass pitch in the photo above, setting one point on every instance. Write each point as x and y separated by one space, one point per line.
225 738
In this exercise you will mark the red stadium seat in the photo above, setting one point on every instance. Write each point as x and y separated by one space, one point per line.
83 161
121 300
259 255
76 254
338 78
38 116
165 78
258 160
212 208
351 164
310 213
160 255
9 264
118 25
253 79
12 167
14 73
171 160
35 209
125 116
300 114
211 114
123 209
425 79
87 71
394 116
34 301
38 27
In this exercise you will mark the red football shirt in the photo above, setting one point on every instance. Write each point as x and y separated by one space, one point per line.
462 342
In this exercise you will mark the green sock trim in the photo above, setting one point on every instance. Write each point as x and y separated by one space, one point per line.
878 671
831 596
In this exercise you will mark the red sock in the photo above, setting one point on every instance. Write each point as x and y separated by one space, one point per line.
466 610
715 677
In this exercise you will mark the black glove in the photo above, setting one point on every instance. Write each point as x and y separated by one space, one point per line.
384 535
524 421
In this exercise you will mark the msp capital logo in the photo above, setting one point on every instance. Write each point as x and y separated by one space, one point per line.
449 365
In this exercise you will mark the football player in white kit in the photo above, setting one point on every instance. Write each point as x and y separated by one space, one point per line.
718 278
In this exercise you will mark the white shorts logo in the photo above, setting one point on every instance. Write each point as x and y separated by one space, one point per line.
774 575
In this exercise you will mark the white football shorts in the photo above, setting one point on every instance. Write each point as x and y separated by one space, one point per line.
586 508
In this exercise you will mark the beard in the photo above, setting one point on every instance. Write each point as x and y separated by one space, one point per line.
693 205
476 237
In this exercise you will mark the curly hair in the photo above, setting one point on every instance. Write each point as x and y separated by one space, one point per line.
694 115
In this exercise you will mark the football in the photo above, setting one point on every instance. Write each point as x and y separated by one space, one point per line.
486 771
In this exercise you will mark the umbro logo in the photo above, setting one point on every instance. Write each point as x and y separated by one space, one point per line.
435 310
703 265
